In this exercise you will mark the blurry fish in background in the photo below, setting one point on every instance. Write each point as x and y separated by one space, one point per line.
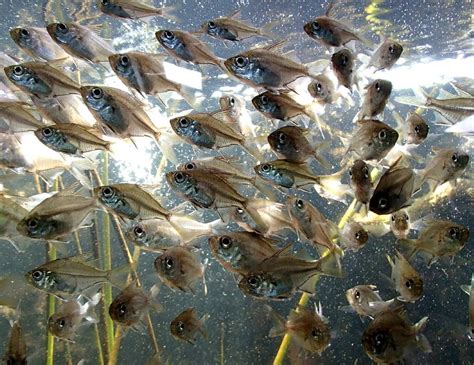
361 182
37 43
16 350
343 66
187 325
416 129
400 224
11 213
386 55
353 236
406 279
72 315
18 117
308 328
132 9
376 97
469 290
81 41
366 301
391 337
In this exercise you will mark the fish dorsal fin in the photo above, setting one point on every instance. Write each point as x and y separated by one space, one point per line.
330 11
275 47
235 15
82 258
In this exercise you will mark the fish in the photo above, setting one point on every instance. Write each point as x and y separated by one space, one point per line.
391 337
68 277
41 80
72 315
329 31
343 62
448 164
11 213
376 97
186 47
372 140
119 112
132 9
19 117
437 238
267 68
360 181
81 41
386 55
353 236
366 301
308 328
187 325
408 281
37 43
394 189
290 142
145 73
57 216
130 201
241 251
231 28
130 306
72 139
179 268
417 129
400 224
469 290
16 351
232 106
280 276
322 89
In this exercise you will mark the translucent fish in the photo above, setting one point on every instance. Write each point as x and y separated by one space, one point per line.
131 9
386 55
353 236
366 301
343 62
37 43
19 117
16 351
407 280
469 290
323 90
375 99
187 325
400 224
361 182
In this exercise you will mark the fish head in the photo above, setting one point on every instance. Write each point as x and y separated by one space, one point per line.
417 129
128 307
400 220
384 137
317 336
226 248
112 198
379 90
41 278
138 233
61 32
359 174
342 60
185 126
274 174
232 105
265 103
181 181
22 36
360 236
316 29
215 29
168 266
354 296
50 136
390 52
241 66
24 77
283 141
459 160
95 97
321 89
378 343
297 208
112 8
188 166
411 288
456 236
168 39
61 326
263 285
37 226
122 65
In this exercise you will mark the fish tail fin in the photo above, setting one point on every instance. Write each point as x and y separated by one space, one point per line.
331 263
466 289
117 277
201 327
78 168
322 146
407 247
154 291
311 112
90 314
268 30
166 143
331 187
253 149
187 94
315 68
421 99
421 339
169 12
279 327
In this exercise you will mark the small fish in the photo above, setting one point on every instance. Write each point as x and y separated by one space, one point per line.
145 73
343 62
280 276
372 140
437 238
130 306
470 291
353 236
119 112
360 181
69 276
130 201
376 98
232 106
400 224
448 164
41 80
16 351
290 142
80 41
187 47
57 216
132 9
179 268
11 213
323 90
241 251
72 139
366 301
308 328
37 43
72 315
280 106
266 68
187 325
19 116
390 337
394 189
386 55
408 282
230 28
417 129
329 31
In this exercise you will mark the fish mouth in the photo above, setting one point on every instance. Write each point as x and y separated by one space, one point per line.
50 28
228 64
308 29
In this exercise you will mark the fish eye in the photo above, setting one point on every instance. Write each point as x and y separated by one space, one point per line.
357 294
18 70
365 170
190 166
382 134
393 218
168 34
139 232
383 202
211 25
391 49
97 93
417 129
61 323
124 61
454 232
264 99
358 236
183 122
107 192
409 283
315 25
122 309
344 60
24 32
455 157
300 204
406 217
377 86
62 27
315 332
37 275
32 223
231 101
180 326
47 132
239 211
253 281
225 242
169 263
265 167
282 137
319 86
380 340
241 61
350 172
105 2
179 177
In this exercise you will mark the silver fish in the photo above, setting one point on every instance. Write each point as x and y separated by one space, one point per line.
37 43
